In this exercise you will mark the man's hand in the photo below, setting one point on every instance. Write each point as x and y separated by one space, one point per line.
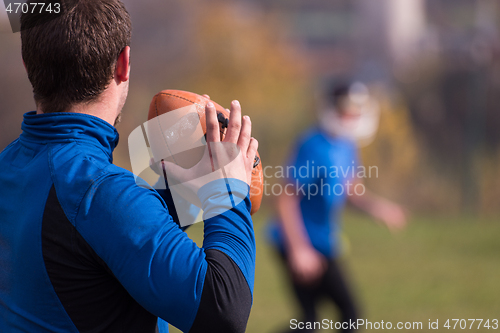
240 133
231 158
390 213
307 264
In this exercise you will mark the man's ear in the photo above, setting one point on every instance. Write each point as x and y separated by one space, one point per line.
122 71
24 64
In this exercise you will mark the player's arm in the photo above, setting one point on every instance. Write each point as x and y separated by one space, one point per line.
188 209
131 230
290 217
306 263
197 290
378 207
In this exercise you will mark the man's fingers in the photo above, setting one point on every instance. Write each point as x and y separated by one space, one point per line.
206 96
234 125
245 134
212 123
252 148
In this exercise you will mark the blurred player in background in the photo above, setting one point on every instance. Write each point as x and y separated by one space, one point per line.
321 175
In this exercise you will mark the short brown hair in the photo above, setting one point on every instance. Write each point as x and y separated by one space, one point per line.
71 59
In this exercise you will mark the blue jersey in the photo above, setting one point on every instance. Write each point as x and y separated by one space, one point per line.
83 247
320 169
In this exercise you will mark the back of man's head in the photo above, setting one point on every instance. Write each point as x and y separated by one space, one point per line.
71 59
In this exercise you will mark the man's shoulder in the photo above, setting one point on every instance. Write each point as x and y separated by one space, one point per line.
73 164
76 170
9 146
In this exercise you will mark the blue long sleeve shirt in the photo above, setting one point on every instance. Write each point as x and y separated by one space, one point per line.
84 248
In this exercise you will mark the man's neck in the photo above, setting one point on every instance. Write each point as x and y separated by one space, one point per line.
107 106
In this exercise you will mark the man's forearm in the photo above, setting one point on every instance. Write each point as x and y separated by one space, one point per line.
293 226
229 245
366 202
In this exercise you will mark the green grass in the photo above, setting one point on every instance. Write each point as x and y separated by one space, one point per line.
438 268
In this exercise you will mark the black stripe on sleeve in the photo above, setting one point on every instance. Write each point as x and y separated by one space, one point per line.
226 299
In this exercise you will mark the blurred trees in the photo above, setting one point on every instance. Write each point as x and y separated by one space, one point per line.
401 156
438 147
241 53
453 92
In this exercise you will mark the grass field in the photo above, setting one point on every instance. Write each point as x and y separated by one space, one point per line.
438 268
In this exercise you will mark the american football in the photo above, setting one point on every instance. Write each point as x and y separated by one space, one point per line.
171 100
